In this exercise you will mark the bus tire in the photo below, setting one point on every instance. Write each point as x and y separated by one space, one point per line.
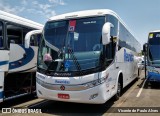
119 90
138 72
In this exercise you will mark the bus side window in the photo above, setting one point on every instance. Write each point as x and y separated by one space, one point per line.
35 40
39 39
112 45
25 31
14 34
110 51
1 35
1 41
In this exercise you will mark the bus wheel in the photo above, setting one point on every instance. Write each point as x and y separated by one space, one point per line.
138 72
119 90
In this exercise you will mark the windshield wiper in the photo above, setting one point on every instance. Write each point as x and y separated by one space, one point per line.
70 51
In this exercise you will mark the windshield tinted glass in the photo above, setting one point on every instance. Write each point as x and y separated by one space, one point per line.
77 42
86 35
56 32
154 46
154 38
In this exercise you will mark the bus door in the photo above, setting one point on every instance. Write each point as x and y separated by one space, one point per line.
32 41
35 39
4 60
4 54
4 64
110 54
15 45
21 59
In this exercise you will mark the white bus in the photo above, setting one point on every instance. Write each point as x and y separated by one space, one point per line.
153 56
86 57
17 64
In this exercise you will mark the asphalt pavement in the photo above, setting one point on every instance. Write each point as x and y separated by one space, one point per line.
139 98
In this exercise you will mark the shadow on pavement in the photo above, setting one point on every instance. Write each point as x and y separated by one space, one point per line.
61 108
16 101
64 108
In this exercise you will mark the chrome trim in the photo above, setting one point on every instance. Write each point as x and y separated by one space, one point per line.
57 86
16 96
77 87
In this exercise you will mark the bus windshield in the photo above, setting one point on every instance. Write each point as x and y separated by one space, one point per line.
72 45
154 46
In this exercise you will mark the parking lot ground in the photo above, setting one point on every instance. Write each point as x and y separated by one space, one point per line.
139 96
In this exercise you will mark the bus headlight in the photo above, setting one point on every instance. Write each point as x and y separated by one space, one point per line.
96 82
39 81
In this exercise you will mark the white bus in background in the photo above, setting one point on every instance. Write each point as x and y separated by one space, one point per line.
86 57
17 64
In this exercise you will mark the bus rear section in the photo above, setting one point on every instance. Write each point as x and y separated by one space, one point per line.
20 79
17 64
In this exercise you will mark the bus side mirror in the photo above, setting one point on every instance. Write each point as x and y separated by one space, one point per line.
106 33
29 35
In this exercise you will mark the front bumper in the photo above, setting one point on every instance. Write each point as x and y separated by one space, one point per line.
155 77
95 95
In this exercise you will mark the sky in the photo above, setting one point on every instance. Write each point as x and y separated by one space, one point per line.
141 16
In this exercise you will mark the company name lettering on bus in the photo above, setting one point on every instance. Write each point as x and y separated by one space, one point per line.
62 82
40 76
62 74
128 57
89 22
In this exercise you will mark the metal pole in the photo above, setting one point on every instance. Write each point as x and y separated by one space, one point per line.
145 69
145 64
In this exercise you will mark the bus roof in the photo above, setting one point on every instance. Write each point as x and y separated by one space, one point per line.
84 13
88 13
154 31
19 20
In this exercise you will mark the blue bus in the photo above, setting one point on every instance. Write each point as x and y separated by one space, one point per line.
151 49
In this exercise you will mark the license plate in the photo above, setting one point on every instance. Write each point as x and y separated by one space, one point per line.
63 96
